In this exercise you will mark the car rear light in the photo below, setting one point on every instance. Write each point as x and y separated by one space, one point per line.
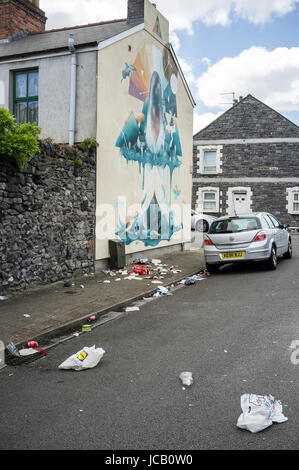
260 237
208 242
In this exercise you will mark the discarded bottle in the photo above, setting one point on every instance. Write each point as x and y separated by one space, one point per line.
186 378
13 349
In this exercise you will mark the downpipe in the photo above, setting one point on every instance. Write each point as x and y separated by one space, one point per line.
72 126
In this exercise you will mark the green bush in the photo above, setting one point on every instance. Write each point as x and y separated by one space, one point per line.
88 144
18 143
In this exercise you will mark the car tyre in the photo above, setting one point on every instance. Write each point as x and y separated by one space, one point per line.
288 254
212 268
202 226
272 261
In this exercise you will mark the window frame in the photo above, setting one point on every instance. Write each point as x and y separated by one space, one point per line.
201 150
28 99
205 210
205 166
291 192
295 202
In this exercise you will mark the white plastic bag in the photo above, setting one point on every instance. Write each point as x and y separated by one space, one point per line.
86 358
260 412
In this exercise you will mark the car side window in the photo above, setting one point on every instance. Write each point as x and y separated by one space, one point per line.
275 221
271 224
266 222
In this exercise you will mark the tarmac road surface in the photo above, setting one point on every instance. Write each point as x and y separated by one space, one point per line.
233 331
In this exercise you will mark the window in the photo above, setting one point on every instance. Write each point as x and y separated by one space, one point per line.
275 221
209 202
237 224
209 159
210 162
295 202
26 96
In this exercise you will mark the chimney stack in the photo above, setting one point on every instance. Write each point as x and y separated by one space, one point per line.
135 11
20 15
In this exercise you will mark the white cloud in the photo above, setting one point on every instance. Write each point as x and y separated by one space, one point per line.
187 69
271 76
181 17
200 121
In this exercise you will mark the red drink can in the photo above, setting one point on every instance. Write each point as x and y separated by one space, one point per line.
32 344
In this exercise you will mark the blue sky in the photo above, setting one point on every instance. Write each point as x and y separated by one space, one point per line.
240 46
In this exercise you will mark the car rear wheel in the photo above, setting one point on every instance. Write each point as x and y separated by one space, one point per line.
212 268
272 261
202 226
288 254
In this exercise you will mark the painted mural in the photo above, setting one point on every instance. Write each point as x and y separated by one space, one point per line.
152 141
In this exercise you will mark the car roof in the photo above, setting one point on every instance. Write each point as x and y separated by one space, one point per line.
250 214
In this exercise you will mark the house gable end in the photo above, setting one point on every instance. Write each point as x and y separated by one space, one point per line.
250 118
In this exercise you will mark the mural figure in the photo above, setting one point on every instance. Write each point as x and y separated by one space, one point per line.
157 28
127 71
152 140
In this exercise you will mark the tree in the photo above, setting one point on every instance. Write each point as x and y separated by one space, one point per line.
18 143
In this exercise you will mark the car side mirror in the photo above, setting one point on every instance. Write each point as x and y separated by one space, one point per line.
284 226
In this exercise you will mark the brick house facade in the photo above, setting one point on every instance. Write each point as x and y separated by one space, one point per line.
247 160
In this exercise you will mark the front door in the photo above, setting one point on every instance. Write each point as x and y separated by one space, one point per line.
241 203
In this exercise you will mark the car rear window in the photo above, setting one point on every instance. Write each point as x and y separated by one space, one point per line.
238 224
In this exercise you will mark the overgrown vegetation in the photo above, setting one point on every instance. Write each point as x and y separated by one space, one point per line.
88 144
18 143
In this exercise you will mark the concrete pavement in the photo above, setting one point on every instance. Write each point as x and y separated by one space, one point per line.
56 310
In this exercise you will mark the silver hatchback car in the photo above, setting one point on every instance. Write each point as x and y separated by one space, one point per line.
253 237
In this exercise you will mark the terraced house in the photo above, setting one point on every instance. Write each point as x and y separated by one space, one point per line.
118 82
248 160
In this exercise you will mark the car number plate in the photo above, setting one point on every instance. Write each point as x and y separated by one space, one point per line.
233 255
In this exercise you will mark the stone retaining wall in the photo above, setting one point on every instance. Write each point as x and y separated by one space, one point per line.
47 218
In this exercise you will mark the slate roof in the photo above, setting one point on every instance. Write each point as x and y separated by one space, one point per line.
250 118
57 39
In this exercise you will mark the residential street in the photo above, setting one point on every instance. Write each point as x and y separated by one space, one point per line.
232 330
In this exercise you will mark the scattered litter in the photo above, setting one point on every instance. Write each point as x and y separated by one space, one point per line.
92 318
163 290
86 358
2 297
132 309
106 282
157 282
117 280
32 344
26 315
67 284
11 279
13 349
86 328
186 378
225 351
156 261
76 334
260 412
82 286
28 352
141 270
